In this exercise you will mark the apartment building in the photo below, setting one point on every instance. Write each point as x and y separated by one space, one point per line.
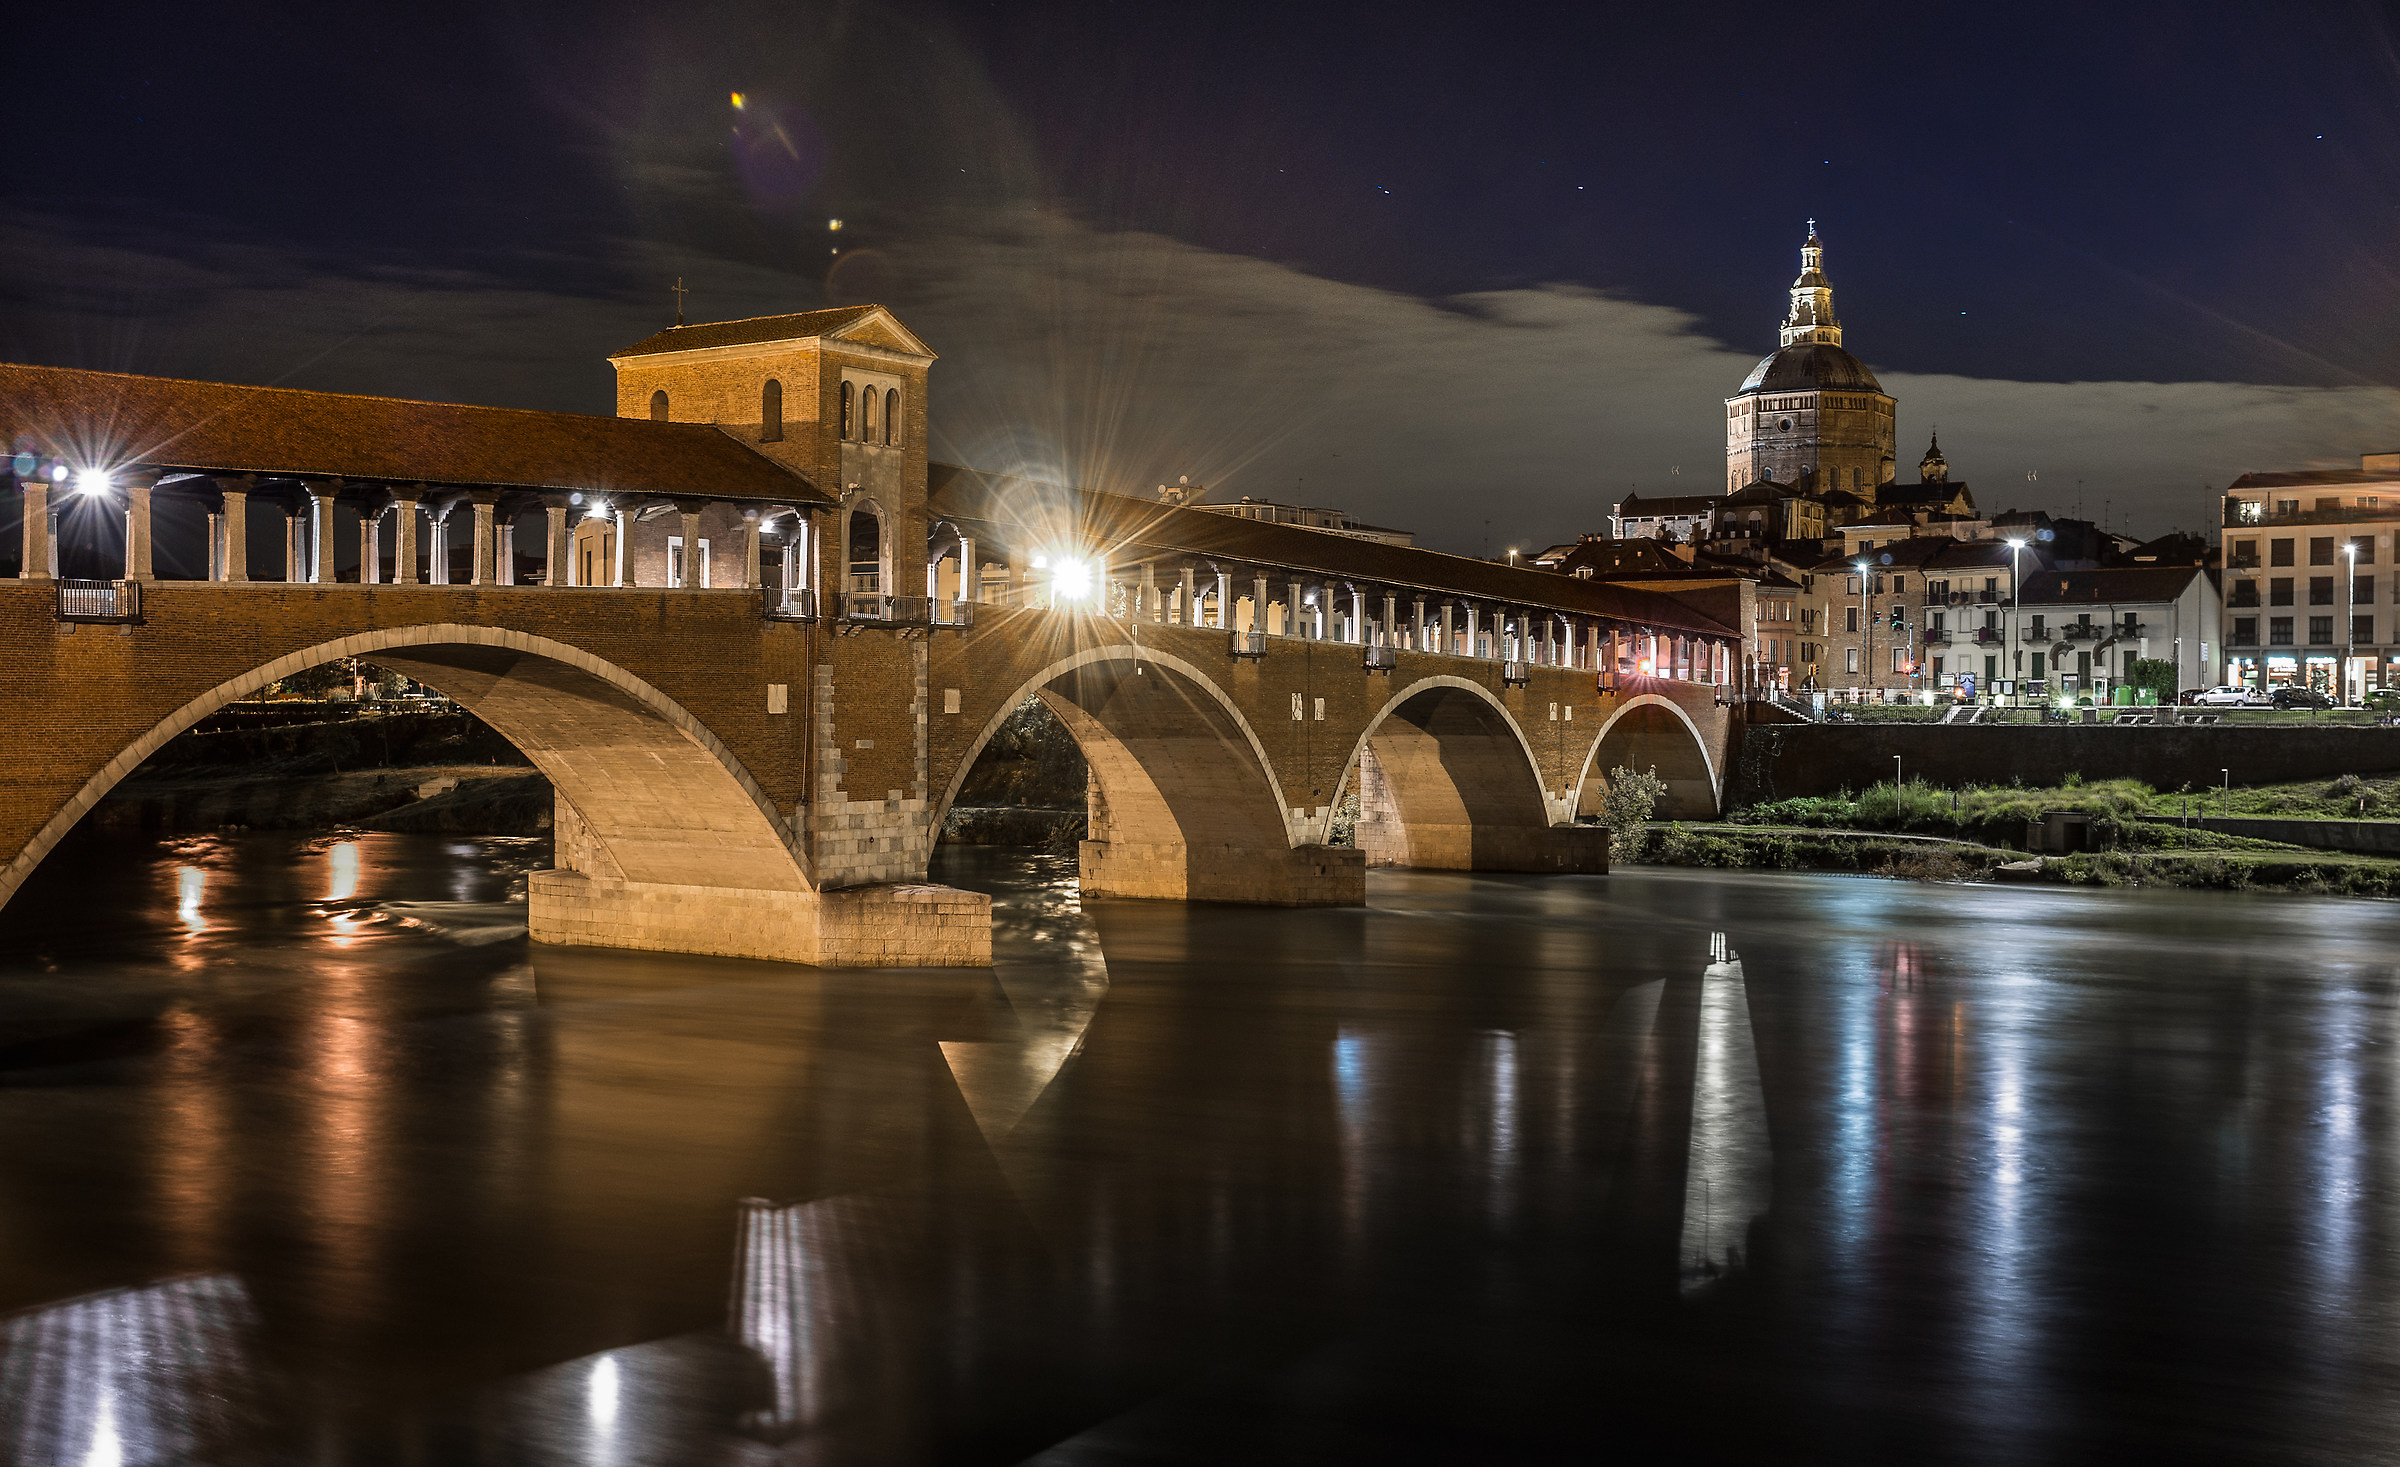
2312 595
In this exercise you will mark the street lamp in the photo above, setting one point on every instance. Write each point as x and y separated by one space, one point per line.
2016 598
1866 614
2349 621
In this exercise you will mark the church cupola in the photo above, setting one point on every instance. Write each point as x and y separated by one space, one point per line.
1812 317
1933 468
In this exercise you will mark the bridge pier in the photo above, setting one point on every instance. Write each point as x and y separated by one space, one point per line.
854 927
1294 876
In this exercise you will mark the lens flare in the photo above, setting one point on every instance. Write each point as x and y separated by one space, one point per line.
1072 579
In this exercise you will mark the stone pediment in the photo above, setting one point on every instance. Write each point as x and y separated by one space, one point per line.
881 329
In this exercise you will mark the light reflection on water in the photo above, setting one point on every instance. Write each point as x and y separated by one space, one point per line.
1450 1178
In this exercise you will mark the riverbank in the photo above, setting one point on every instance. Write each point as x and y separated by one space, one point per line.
437 771
2140 836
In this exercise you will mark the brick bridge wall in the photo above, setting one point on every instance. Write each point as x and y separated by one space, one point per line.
725 779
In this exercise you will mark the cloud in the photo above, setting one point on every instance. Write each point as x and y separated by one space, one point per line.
1126 359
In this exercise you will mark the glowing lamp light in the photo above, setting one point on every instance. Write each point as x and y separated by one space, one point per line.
1643 667
1072 579
58 472
740 101
596 510
92 481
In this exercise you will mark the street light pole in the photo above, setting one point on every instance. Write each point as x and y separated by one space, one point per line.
1866 612
2349 622
2016 598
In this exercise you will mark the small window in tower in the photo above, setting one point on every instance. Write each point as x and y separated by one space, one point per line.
891 417
770 412
658 406
1784 423
866 414
848 396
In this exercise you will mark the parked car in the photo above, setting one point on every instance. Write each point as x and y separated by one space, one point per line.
2298 697
2227 695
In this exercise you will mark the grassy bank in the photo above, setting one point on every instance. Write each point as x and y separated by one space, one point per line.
2233 865
1996 814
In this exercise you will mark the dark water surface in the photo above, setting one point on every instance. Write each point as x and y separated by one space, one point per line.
306 1155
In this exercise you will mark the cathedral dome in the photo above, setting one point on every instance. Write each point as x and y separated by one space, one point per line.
1807 366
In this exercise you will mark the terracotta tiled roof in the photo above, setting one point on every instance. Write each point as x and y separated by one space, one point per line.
113 418
747 332
1028 515
2115 583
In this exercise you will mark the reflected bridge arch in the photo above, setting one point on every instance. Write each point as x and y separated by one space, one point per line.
1184 802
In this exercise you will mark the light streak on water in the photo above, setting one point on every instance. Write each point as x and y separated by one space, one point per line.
1730 1177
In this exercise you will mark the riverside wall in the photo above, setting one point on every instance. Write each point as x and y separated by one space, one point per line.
1780 761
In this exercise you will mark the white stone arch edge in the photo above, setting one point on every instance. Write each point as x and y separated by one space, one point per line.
1708 761
1297 829
365 644
1533 767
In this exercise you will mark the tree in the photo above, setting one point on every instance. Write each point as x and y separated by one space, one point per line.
2156 674
1625 808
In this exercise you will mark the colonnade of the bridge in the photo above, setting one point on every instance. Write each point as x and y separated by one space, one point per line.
425 526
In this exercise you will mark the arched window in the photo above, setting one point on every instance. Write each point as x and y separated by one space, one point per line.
866 415
658 406
891 417
846 409
770 412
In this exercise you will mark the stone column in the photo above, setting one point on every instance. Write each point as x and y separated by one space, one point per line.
620 571
1151 609
1224 622
970 571
1472 617
437 544
321 563
689 571
139 486
1358 616
790 563
234 562
480 547
370 543
1258 602
504 553
750 578
35 544
558 556
295 550
1189 613
404 541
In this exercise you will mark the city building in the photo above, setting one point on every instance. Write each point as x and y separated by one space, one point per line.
2311 596
2090 626
1811 414
1188 495
1681 518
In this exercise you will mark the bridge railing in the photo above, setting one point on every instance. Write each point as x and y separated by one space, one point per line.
1516 674
1381 658
953 613
105 601
794 605
1251 645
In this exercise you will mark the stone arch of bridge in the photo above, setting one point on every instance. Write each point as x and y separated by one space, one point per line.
1447 780
1185 803
1648 731
646 793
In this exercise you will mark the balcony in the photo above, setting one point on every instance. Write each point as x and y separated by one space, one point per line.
1516 674
858 606
959 615
2037 633
792 605
1937 636
1249 645
100 601
2082 631
1381 659
2241 562
2250 600
1988 637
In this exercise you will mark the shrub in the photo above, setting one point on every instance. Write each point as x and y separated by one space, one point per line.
1625 808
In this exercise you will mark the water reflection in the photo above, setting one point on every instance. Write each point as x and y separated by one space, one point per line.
1917 1171
131 1376
190 884
1731 1172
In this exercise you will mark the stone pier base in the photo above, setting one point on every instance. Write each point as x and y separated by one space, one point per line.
1551 849
856 927
1303 876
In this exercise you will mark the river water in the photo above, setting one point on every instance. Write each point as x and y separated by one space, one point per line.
307 1155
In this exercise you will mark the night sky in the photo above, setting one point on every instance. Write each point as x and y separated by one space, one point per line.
1472 270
